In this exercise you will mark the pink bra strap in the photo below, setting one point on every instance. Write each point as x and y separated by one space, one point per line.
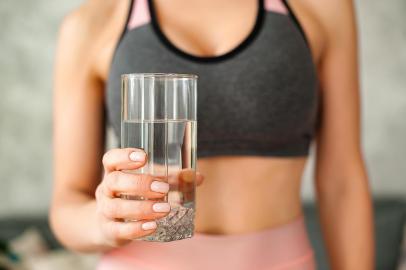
139 14
276 6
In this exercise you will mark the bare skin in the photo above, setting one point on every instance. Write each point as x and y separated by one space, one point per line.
239 193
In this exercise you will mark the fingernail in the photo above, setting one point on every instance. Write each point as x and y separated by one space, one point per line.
137 156
161 207
159 186
148 225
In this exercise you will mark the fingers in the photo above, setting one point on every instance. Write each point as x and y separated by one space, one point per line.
186 178
145 185
122 231
199 178
124 159
116 208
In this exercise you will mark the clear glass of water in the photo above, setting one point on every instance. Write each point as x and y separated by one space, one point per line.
159 115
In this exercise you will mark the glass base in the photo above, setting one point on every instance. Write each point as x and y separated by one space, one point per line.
177 225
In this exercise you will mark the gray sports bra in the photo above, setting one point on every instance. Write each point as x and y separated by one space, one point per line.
260 98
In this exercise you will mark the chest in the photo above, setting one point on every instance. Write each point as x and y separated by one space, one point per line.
209 28
206 28
264 90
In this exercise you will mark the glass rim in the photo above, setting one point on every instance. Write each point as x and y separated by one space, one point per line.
158 75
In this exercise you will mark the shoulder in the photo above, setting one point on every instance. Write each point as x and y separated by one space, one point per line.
83 29
337 19
93 16
325 23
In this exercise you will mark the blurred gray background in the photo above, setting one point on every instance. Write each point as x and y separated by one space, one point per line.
27 40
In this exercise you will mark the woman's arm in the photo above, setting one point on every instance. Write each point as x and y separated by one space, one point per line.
342 187
78 129
86 214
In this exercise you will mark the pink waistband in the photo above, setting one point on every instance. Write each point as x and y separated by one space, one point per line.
285 247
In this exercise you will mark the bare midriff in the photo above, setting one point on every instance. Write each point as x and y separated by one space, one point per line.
242 194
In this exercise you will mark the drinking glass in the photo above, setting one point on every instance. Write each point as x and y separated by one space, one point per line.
159 115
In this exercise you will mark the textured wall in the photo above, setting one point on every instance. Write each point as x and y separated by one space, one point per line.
28 32
383 40
27 40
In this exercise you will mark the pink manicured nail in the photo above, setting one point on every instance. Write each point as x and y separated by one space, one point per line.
159 186
161 207
148 225
137 156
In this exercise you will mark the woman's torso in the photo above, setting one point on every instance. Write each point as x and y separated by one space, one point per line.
241 193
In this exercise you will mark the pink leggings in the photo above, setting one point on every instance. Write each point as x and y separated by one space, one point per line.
285 247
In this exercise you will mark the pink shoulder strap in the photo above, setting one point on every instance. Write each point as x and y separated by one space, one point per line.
139 14
276 6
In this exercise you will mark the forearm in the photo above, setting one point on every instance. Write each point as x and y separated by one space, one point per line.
347 225
74 222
